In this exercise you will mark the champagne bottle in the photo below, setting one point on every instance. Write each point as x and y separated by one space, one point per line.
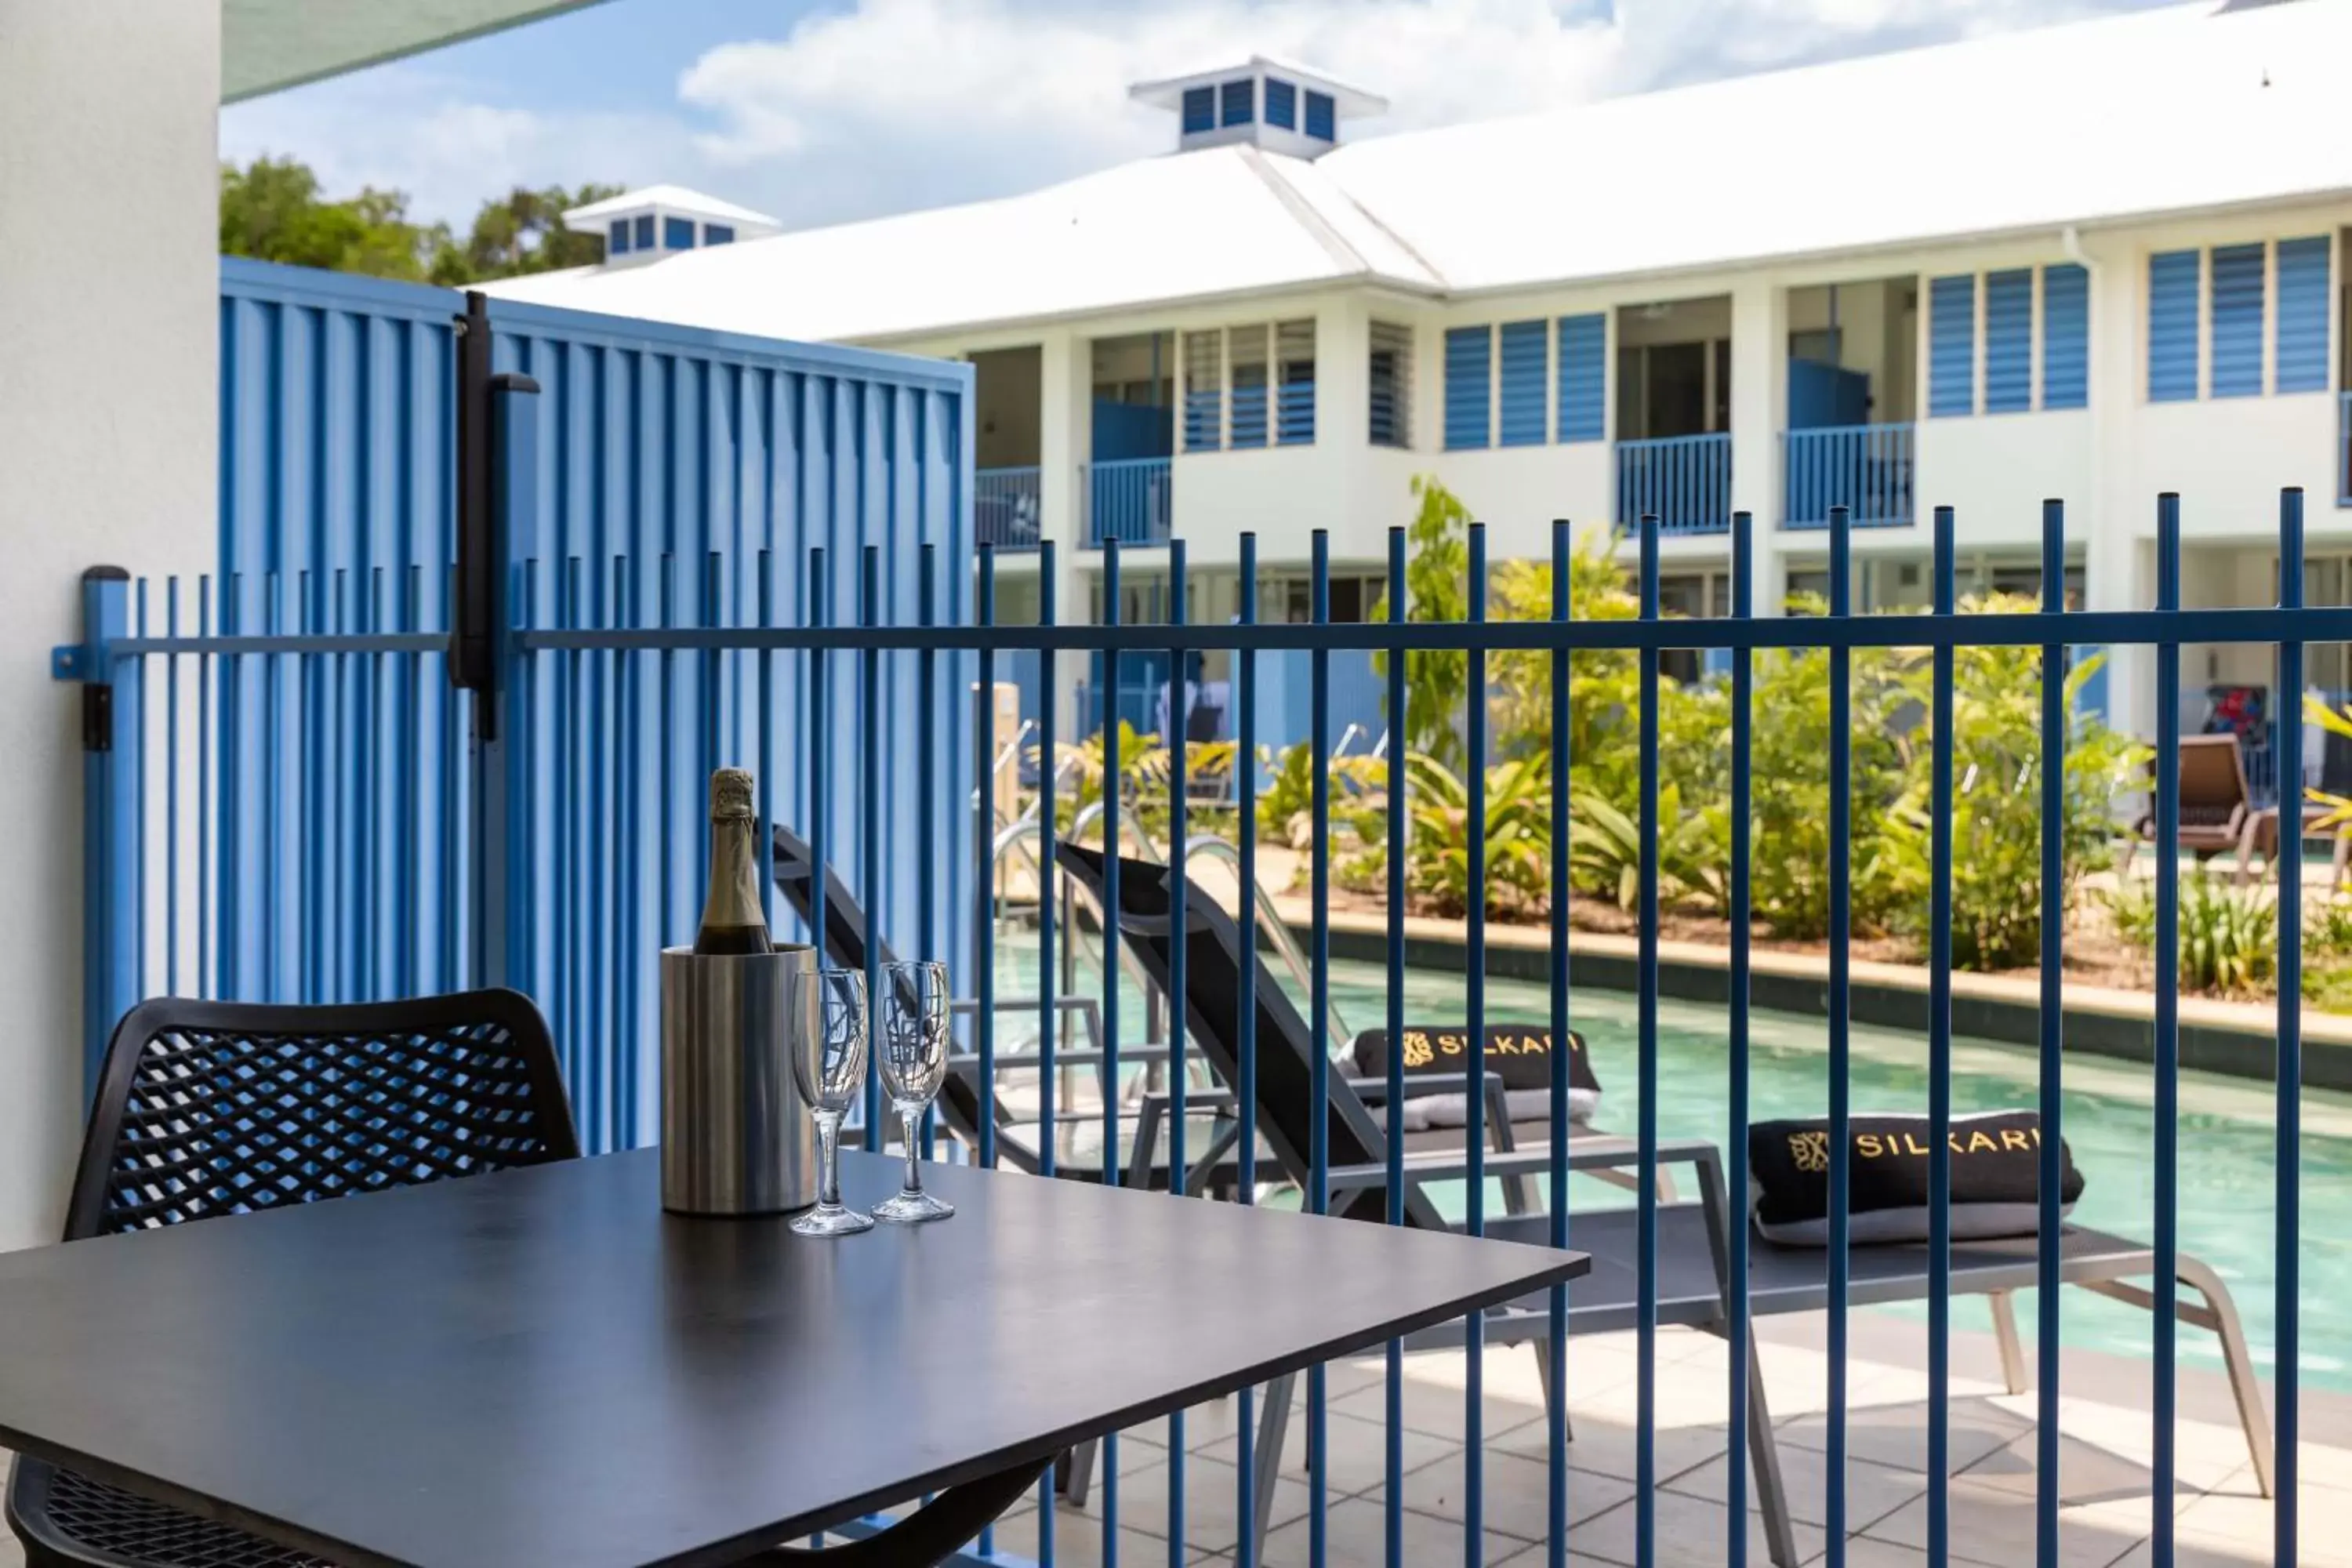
731 921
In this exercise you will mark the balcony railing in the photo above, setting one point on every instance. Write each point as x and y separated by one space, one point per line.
1684 480
2344 448
1866 468
1128 500
1004 507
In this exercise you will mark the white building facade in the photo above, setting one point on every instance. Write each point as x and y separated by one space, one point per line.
2090 263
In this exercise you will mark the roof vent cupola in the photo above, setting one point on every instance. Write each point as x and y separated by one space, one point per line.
654 221
1262 101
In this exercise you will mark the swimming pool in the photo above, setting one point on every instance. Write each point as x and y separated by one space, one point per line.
2226 1138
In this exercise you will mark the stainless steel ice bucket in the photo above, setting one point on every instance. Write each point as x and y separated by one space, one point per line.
736 1135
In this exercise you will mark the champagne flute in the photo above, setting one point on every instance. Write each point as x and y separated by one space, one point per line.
829 1066
913 1056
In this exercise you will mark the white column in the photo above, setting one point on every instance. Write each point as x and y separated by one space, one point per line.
108 328
1064 426
1760 397
2118 570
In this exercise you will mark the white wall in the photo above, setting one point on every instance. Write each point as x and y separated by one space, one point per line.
1996 470
2229 457
1517 490
109 319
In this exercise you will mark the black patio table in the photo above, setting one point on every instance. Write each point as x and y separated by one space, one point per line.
538 1367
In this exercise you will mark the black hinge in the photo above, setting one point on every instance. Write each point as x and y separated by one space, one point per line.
97 717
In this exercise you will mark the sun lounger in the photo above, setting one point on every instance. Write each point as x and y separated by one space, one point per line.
1692 1257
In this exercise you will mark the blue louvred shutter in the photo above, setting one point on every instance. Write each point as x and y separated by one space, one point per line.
1952 346
1469 363
1524 351
1584 377
2065 336
2172 288
2302 349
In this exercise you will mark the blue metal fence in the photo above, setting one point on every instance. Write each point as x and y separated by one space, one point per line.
284 795
1866 468
1683 481
1129 499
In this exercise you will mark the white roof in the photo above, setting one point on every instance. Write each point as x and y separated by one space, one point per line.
2162 112
1229 220
2170 111
675 198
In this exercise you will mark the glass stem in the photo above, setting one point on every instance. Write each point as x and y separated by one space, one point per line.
911 1121
828 1155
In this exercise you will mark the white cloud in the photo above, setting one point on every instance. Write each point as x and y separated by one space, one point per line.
895 104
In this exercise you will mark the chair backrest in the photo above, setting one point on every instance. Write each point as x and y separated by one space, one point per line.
215 1108
2212 773
1284 1056
844 945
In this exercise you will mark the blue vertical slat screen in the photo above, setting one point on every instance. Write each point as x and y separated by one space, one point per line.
2174 283
1524 349
2009 341
2237 319
2065 336
1199 109
679 479
2301 352
1469 389
1583 413
1952 346
1281 103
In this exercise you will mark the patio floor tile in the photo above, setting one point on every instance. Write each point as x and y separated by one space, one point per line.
1995 1526
1435 1403
1078 1542
1605 1446
1355 1537
1355 1453
1871 1491
1515 1493
1690 1534
1212 1500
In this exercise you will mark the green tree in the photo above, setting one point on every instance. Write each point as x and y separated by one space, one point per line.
271 210
1436 574
520 233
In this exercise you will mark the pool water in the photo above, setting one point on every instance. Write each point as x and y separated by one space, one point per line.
2228 1191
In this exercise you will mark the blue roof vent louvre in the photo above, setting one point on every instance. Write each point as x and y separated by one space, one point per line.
1281 103
1240 101
1199 109
1322 118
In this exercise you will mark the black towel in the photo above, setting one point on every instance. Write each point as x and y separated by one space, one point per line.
1995 1177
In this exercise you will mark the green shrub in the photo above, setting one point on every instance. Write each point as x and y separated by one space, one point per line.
1997 798
1518 836
1436 588
2229 935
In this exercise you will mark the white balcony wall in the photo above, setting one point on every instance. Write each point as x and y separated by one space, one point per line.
1996 470
2229 457
108 327
1517 490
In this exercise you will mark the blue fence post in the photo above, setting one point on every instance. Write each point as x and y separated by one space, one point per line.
502 812
110 804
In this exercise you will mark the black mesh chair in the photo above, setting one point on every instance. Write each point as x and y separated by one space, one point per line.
220 1108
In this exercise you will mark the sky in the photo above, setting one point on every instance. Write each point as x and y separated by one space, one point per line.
825 111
